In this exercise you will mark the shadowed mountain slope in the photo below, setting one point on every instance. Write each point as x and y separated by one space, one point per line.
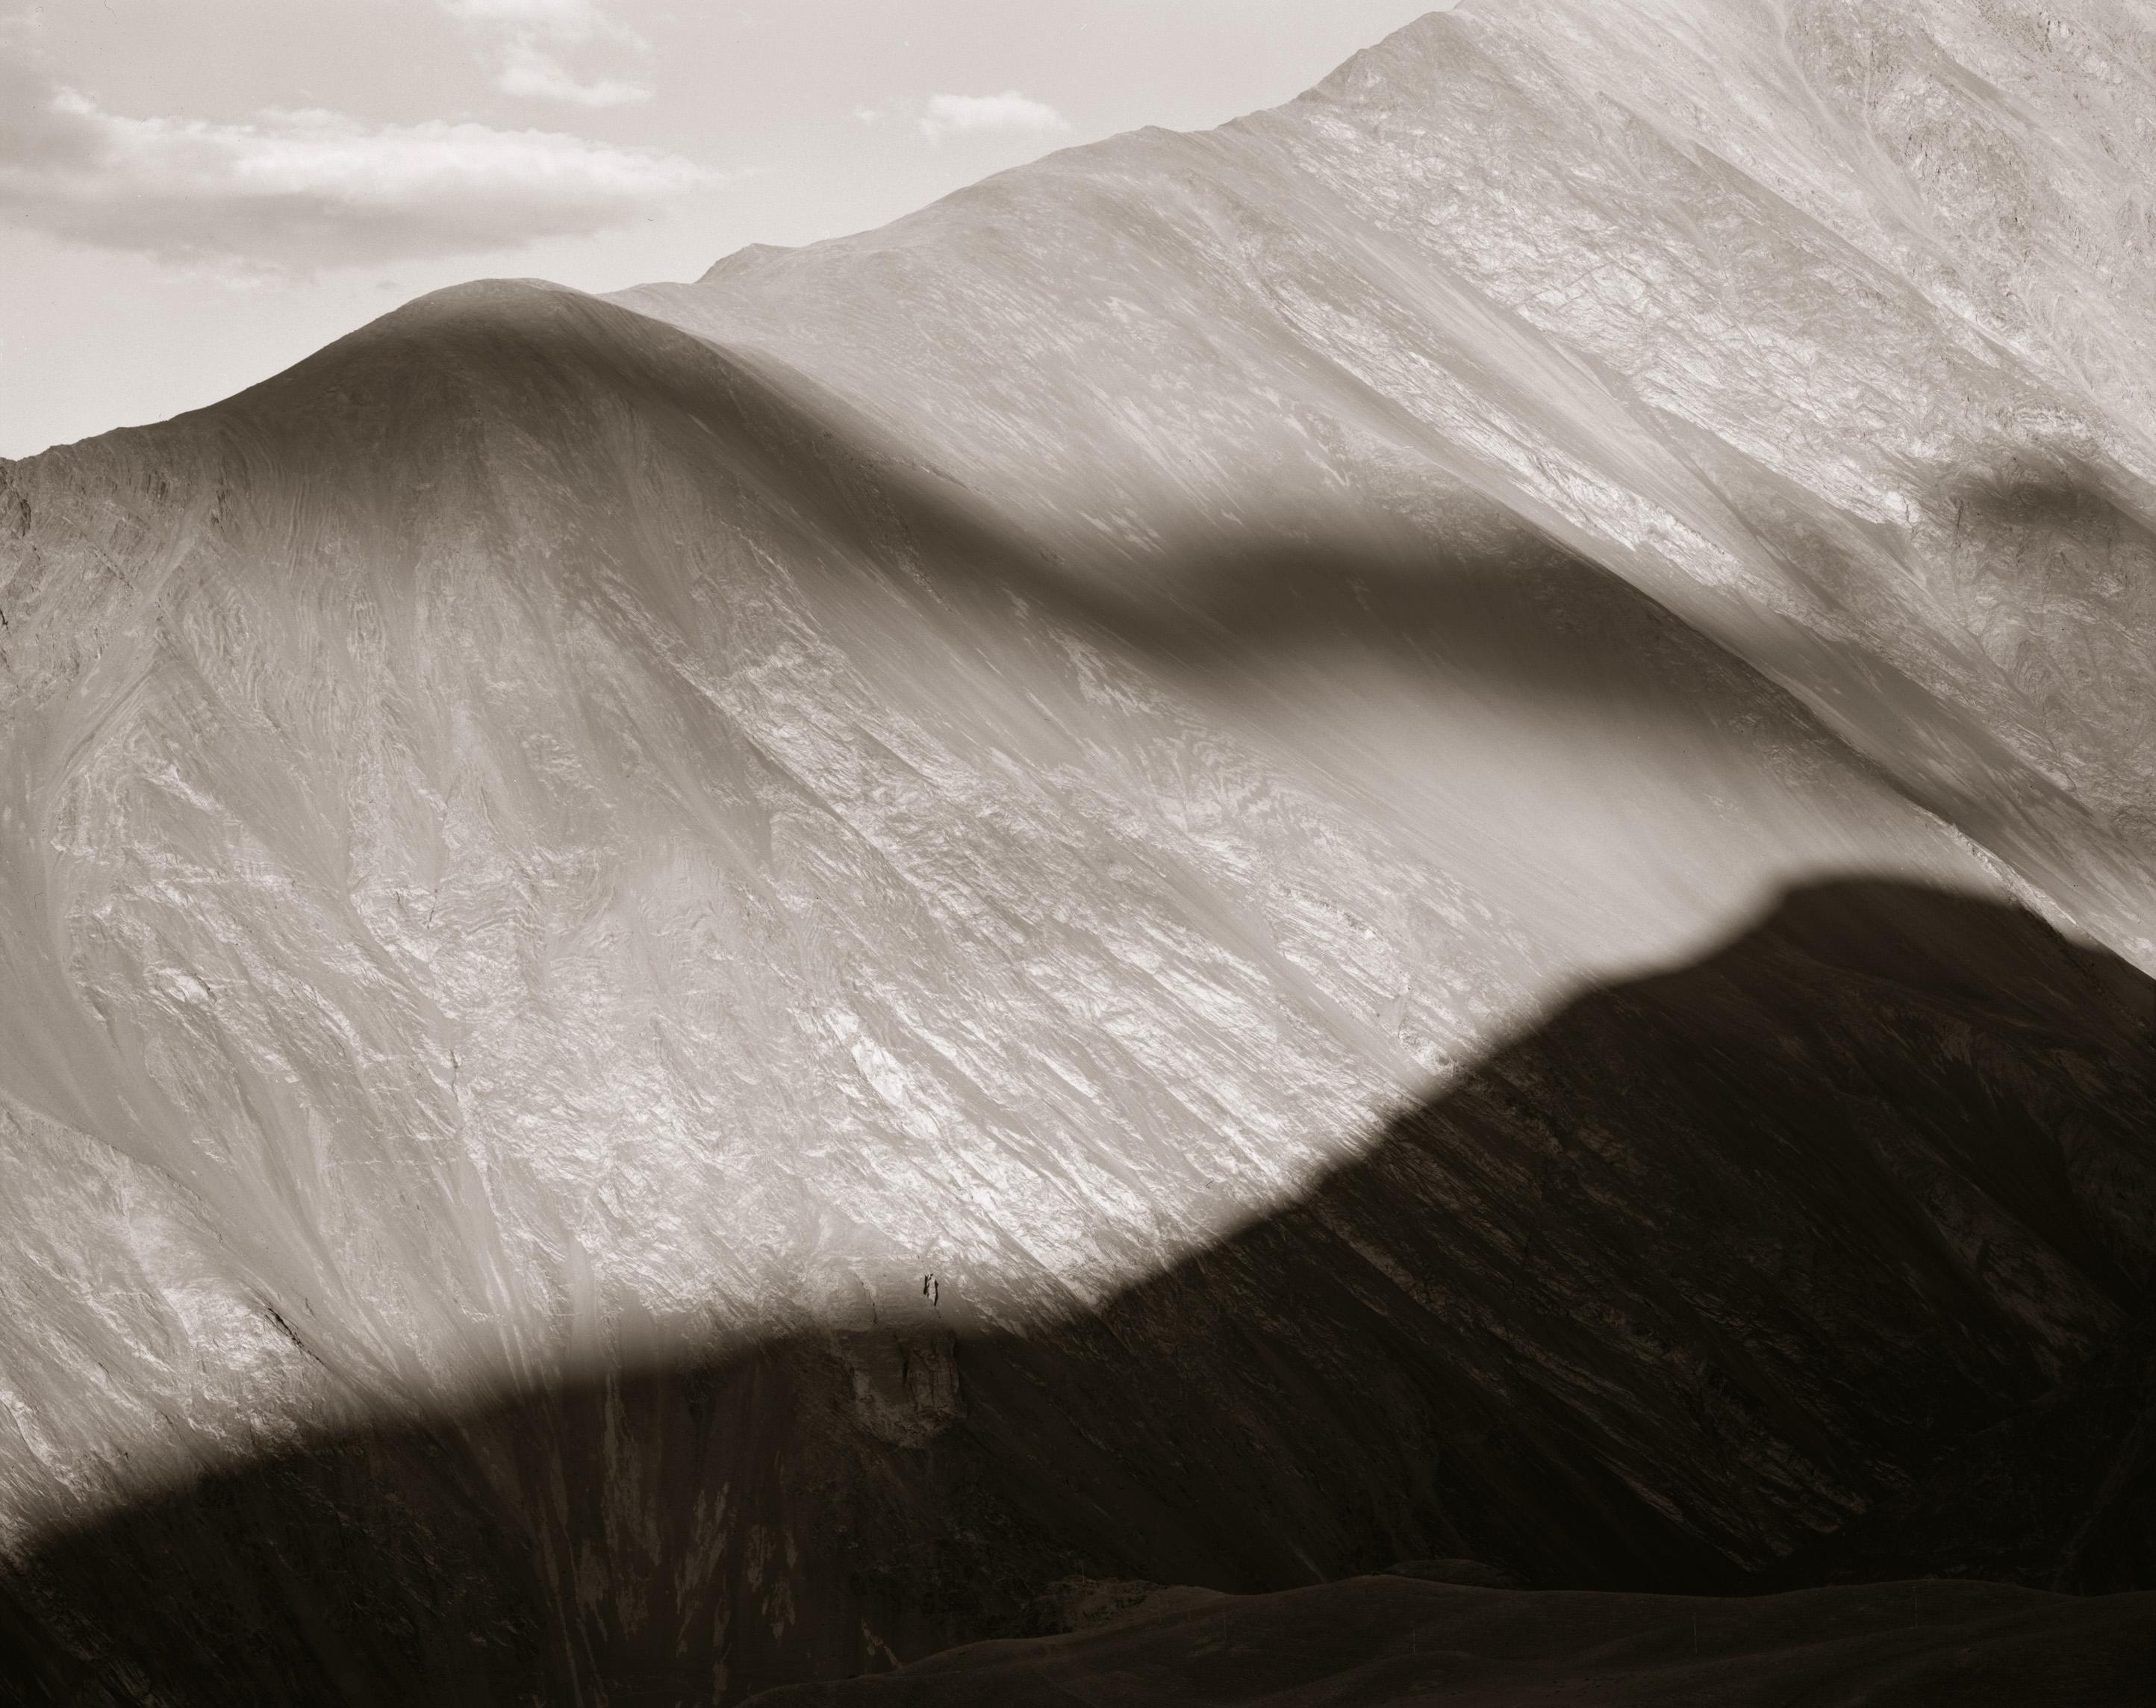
1697 1272
532 836
1117 750
1378 1642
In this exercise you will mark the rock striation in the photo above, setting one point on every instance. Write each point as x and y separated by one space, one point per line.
1371 1642
1418 830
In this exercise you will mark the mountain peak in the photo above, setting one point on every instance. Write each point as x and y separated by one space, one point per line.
1419 829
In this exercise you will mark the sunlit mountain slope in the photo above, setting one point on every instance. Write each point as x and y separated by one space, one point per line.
1115 751
550 836
1824 323
1722 1279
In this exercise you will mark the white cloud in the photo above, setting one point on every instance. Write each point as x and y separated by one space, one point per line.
296 191
556 20
529 70
945 115
535 31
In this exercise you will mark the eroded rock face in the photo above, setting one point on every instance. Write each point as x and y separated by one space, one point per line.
554 849
1710 1283
1375 1641
905 1383
1083 746
1822 323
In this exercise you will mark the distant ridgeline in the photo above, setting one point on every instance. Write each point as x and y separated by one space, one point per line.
1415 832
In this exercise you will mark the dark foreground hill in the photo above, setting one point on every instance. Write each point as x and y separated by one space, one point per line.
1689 1279
1383 1641
1420 829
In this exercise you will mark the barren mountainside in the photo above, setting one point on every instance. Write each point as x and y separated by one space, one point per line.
1416 830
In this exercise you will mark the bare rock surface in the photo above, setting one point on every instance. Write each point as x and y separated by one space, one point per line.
1385 1643
1701 1285
1824 322
1419 830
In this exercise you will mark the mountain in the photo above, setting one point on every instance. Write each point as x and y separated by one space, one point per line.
1385 1640
1416 829
1819 323
1685 1286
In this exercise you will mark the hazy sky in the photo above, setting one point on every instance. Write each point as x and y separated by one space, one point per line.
196 193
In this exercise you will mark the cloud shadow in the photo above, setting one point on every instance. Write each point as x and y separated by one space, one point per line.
1669 1291
1687 1290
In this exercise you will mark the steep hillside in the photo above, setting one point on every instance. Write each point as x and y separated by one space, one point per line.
531 837
1373 1642
1824 323
1666 1295
1246 855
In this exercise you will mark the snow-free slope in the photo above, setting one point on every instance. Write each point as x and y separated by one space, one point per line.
1076 751
1388 1641
525 835
1825 323
1680 1291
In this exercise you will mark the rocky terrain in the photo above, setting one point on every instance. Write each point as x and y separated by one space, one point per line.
1416 830
1373 1641
1676 1288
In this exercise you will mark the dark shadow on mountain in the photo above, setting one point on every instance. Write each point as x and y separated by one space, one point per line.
2057 563
1387 1640
1467 591
591 414
2067 502
1828 1253
1675 1290
2060 1492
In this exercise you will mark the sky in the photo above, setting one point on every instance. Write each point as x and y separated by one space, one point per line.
195 194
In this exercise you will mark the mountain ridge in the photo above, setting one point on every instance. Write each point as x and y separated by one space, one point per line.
1089 755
